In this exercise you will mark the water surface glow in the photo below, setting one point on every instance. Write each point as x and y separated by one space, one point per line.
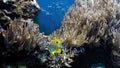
51 14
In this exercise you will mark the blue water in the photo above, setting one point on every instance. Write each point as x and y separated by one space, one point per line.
51 14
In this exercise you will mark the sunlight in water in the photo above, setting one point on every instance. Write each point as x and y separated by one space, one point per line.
51 14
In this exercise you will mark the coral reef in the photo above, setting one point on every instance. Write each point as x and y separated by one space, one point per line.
87 22
116 47
21 34
18 34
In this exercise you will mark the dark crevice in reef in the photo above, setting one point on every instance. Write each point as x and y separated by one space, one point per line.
94 55
13 15
86 61
6 6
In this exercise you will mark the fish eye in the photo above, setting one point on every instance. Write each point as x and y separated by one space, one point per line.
57 42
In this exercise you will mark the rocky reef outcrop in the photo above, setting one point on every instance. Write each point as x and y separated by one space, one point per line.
17 30
91 22
87 22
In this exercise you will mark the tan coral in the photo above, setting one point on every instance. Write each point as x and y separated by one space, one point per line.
23 33
83 19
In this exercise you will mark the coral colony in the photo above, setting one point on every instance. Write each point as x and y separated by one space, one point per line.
86 22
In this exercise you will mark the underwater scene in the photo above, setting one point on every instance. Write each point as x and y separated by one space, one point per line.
59 33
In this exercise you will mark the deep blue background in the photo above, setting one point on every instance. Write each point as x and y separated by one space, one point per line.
51 14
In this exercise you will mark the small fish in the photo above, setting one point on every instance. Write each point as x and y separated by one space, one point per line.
55 46
49 6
